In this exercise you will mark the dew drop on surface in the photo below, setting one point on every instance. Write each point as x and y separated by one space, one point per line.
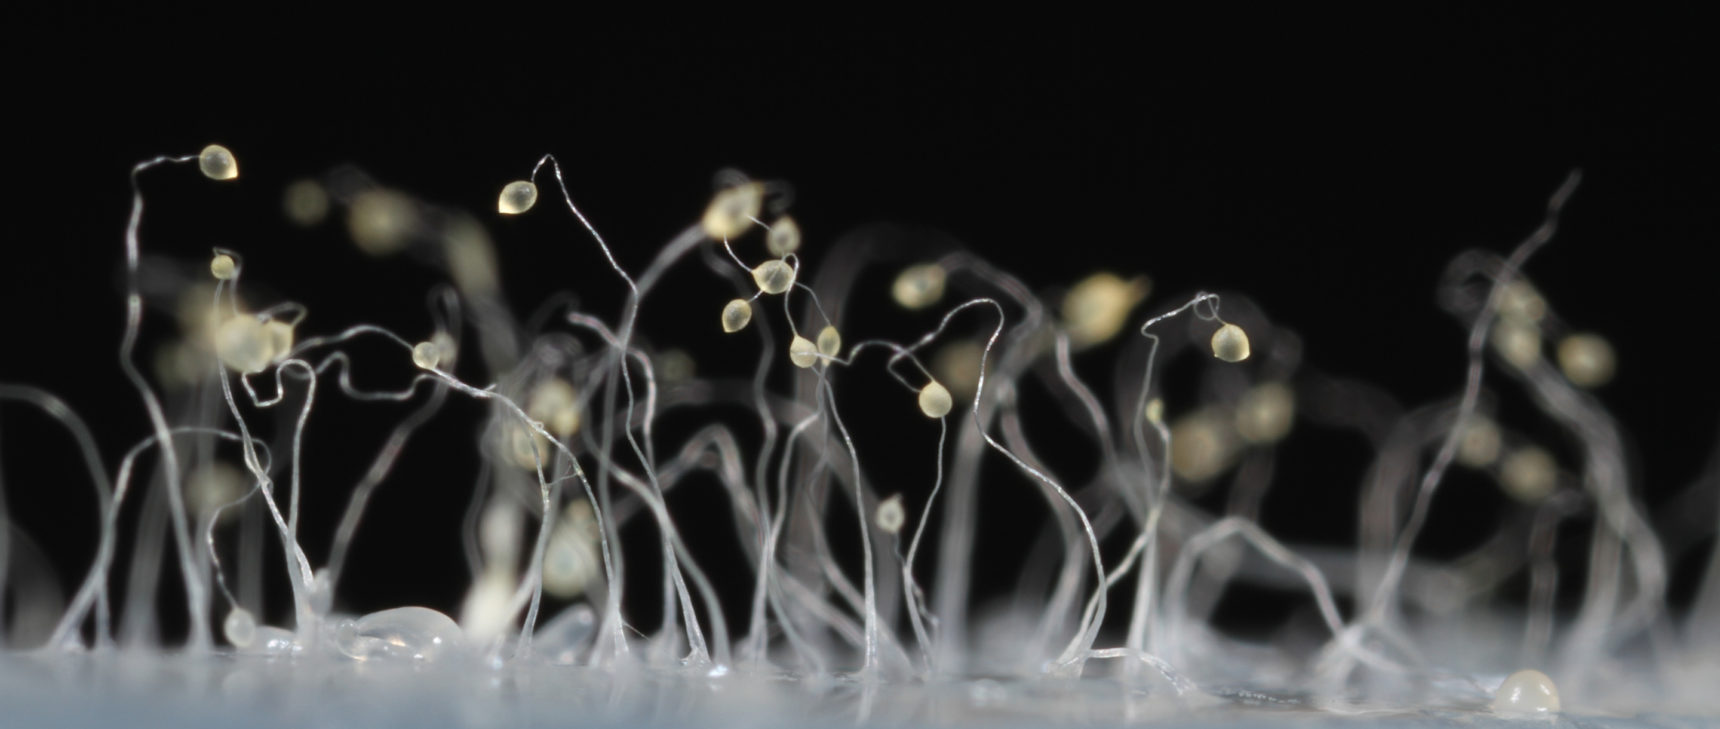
240 628
563 638
404 633
1526 693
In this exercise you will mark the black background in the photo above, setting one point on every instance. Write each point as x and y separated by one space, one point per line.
1326 167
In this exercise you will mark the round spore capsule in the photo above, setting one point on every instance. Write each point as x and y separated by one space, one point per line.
732 210
935 400
736 315
517 197
222 266
1586 359
426 355
890 515
217 163
240 628
802 352
829 342
773 277
241 344
1230 343
784 237
919 286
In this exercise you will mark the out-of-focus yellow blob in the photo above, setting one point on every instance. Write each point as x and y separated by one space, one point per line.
305 203
485 613
471 257
280 336
198 316
217 163
1586 359
674 366
242 344
520 442
1202 445
1098 307
1520 301
732 210
1517 342
1230 343
957 366
446 349
1529 474
499 530
517 197
1265 412
572 560
1479 444
555 404
783 238
214 484
381 221
181 363
919 286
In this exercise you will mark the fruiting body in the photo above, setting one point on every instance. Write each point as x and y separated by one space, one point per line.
217 163
1230 343
783 238
732 210
1586 359
802 352
426 355
517 197
829 342
773 277
736 314
890 516
919 286
222 266
935 400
